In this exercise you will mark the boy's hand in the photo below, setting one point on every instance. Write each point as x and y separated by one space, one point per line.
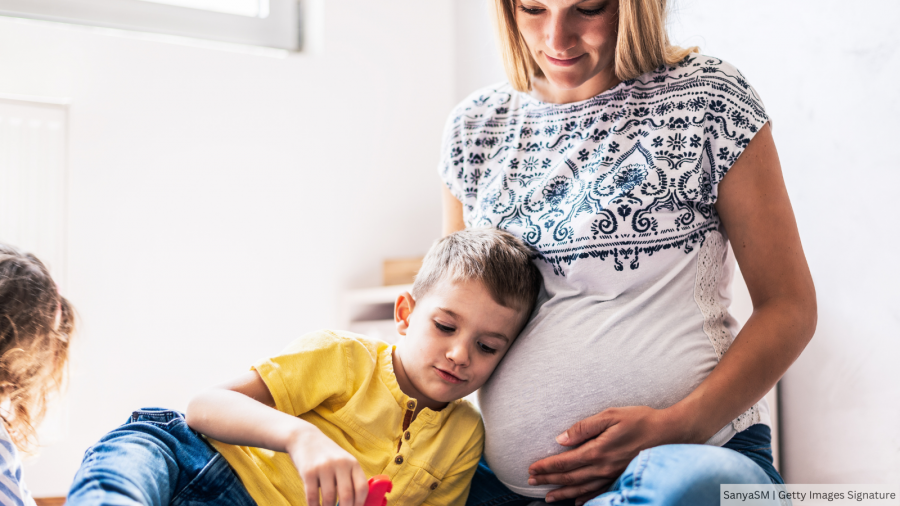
324 465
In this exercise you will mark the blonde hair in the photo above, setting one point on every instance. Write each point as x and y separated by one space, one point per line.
642 42
500 260
34 350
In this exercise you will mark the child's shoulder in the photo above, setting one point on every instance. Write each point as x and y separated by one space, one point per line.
11 468
349 342
466 418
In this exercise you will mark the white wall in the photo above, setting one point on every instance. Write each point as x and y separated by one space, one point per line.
220 202
828 73
477 61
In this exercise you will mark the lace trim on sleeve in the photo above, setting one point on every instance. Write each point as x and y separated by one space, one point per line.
710 263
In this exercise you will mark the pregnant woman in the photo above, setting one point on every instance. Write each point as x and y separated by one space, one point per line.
640 172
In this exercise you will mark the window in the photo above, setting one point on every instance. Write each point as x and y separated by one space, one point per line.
271 23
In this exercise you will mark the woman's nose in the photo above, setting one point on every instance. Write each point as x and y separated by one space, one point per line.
559 36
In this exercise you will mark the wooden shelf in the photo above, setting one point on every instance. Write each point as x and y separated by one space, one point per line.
370 311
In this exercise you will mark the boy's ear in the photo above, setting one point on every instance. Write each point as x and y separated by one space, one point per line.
402 309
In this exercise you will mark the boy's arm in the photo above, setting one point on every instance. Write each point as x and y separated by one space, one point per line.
242 412
213 413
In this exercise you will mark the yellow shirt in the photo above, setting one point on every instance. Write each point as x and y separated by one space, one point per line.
344 384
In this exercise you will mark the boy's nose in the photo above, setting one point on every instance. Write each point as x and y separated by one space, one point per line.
459 355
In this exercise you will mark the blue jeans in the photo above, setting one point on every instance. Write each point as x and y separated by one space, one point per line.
667 475
155 459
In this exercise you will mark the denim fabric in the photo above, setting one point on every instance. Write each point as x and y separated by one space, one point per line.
155 459
666 475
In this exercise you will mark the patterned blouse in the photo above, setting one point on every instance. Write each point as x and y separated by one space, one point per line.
616 194
13 491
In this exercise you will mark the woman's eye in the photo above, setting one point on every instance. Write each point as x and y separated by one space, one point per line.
530 10
443 328
592 12
487 349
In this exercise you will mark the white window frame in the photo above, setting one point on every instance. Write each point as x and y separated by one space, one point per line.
281 28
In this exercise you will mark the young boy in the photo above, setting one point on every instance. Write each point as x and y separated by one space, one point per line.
336 408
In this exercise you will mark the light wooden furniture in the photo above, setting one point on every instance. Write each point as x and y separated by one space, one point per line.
370 311
50 501
400 271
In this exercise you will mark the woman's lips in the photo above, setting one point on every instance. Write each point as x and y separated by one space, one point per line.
564 63
446 376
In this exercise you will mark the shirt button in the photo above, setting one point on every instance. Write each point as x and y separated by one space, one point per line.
433 485
398 459
407 436
411 405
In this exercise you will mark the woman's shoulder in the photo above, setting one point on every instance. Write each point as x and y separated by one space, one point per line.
696 76
485 102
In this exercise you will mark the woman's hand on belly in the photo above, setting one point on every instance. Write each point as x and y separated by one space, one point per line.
603 445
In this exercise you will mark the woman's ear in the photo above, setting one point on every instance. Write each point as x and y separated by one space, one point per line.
403 308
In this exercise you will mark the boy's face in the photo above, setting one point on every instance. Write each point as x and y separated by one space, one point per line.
456 335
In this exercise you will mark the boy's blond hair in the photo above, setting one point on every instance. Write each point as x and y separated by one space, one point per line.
495 257
34 350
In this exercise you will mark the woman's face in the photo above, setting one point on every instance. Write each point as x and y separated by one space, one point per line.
574 44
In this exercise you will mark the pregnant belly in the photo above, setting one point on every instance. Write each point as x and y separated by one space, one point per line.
564 368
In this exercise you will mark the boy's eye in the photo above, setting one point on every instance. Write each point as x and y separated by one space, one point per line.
443 328
487 349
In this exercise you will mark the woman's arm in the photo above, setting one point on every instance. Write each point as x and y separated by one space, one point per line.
453 212
243 413
756 212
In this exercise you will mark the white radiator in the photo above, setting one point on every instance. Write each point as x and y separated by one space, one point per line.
33 138
33 180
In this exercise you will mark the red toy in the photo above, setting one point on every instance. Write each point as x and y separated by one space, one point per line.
379 485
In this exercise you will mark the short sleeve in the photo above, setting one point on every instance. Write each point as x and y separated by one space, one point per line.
734 114
452 166
311 371
454 488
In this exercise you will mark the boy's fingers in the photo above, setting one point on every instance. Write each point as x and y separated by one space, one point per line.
326 483
311 483
361 484
345 490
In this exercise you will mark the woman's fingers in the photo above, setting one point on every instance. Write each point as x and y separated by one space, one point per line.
586 454
575 477
585 429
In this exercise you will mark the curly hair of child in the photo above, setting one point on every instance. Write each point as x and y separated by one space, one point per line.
35 325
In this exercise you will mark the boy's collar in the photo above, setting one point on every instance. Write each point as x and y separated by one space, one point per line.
390 379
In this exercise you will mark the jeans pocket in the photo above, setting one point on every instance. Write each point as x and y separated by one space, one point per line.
156 416
216 484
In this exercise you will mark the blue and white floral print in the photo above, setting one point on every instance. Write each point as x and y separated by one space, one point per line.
627 173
